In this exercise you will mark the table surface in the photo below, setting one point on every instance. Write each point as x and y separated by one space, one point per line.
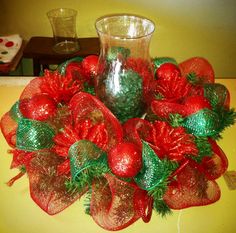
42 48
19 214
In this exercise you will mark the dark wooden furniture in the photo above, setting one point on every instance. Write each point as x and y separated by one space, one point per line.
40 49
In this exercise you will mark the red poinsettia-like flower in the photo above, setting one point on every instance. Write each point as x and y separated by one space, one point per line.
174 89
60 87
84 129
173 143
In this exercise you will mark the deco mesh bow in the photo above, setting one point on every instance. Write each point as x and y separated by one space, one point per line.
71 145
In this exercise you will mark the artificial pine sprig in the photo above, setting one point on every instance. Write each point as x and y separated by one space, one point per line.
89 89
175 120
87 201
161 208
154 177
227 118
86 177
193 78
204 148
85 180
158 192
159 96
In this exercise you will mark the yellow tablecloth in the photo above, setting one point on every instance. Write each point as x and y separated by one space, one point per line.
19 214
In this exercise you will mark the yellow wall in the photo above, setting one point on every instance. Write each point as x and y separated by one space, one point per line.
183 28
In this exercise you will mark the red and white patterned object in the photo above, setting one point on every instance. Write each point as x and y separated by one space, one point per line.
9 47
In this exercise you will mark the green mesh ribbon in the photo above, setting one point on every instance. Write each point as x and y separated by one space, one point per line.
15 112
86 159
216 94
155 171
202 123
158 61
115 51
33 135
62 67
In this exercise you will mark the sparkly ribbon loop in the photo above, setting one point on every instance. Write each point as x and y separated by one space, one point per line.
217 94
85 155
154 170
148 177
202 123
33 135
15 112
116 204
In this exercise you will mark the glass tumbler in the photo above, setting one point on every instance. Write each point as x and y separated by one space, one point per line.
63 22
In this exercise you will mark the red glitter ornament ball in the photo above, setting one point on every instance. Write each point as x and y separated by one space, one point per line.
89 65
40 107
167 71
125 160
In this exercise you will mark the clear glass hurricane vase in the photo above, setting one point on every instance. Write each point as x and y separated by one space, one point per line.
124 66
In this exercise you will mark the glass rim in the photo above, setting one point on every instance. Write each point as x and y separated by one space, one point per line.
51 12
102 18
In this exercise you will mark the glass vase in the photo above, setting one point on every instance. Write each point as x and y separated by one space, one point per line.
63 22
124 66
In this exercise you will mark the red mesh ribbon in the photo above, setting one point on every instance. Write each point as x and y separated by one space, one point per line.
191 188
32 88
216 165
136 130
116 204
200 66
166 141
85 106
8 128
48 189
163 108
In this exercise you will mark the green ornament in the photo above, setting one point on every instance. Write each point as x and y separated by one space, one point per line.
87 161
158 61
125 95
15 112
202 123
33 135
115 51
155 172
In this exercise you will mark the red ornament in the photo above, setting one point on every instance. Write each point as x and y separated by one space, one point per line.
40 107
125 159
167 71
194 104
89 65
75 71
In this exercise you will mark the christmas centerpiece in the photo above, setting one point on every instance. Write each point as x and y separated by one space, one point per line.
131 134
